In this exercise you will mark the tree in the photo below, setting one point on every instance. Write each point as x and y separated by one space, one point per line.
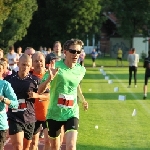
5 8
15 25
133 16
61 20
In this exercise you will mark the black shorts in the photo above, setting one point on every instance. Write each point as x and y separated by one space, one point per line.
54 127
119 58
93 59
27 128
3 134
146 78
38 125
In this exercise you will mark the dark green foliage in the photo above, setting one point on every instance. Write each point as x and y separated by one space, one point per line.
62 20
16 23
133 16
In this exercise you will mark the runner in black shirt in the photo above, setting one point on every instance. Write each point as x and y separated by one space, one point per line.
22 121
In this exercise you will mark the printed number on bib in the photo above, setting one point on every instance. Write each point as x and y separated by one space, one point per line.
22 106
65 101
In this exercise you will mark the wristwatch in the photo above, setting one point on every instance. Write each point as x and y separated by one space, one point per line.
4 100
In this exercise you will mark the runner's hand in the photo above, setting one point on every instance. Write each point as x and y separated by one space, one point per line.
85 105
32 94
52 70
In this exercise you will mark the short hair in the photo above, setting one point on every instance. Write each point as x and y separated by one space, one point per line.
56 43
133 49
25 56
37 52
4 59
68 43
11 47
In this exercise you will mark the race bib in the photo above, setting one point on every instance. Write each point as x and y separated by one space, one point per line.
22 106
65 101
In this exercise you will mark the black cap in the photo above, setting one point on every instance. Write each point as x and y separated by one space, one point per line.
50 57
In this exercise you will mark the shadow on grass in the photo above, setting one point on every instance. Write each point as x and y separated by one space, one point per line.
112 96
88 147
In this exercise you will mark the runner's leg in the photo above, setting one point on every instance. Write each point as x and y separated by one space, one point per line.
46 140
71 138
17 140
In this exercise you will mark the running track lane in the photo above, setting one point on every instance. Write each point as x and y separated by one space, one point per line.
8 145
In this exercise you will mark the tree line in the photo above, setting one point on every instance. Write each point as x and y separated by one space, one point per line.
39 23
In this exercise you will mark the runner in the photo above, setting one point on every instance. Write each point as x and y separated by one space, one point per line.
22 120
29 51
56 54
6 70
7 97
41 103
13 58
64 82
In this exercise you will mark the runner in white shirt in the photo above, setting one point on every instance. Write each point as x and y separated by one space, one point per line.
13 58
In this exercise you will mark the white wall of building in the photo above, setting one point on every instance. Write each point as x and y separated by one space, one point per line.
141 46
88 49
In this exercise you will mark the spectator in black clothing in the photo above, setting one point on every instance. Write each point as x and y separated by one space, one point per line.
147 74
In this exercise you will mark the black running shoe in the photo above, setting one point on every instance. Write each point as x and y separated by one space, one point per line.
144 97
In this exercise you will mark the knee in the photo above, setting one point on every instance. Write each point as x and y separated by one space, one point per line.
71 147
18 147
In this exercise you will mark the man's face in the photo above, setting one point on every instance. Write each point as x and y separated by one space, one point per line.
5 65
57 48
38 62
72 55
24 66
19 50
11 51
30 52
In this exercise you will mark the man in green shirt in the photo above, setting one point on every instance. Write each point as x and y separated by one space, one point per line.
64 88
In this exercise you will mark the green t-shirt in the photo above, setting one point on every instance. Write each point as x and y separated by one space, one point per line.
65 83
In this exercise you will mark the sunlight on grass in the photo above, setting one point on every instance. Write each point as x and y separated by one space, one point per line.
117 129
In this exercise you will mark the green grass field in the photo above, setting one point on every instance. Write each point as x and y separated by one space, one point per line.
107 61
117 128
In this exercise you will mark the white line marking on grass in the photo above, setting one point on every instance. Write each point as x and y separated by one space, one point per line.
131 92
7 141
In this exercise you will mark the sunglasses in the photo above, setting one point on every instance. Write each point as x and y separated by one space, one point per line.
72 51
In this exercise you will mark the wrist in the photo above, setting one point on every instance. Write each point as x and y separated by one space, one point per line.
4 100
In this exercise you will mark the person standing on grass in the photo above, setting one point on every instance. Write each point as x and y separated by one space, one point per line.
119 56
9 98
147 74
94 55
133 60
63 108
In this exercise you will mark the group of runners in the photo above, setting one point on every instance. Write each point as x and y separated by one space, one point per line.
41 94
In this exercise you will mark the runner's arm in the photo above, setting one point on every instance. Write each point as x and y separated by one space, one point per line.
80 95
81 98
11 98
43 86
43 97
